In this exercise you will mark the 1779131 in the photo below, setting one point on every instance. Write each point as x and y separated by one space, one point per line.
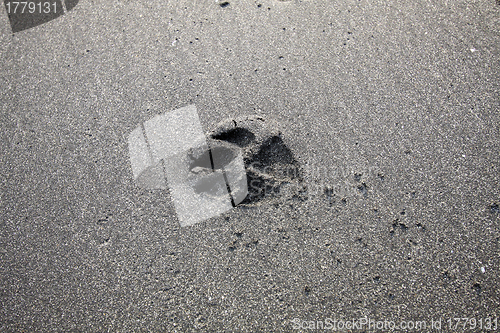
464 323
30 7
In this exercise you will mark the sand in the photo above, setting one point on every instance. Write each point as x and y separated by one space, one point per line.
386 113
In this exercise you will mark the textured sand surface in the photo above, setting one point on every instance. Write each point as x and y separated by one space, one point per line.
389 110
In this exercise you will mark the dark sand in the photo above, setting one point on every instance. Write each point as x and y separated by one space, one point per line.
389 109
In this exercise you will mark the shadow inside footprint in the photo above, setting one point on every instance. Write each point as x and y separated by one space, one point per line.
239 136
259 188
269 163
273 151
273 165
